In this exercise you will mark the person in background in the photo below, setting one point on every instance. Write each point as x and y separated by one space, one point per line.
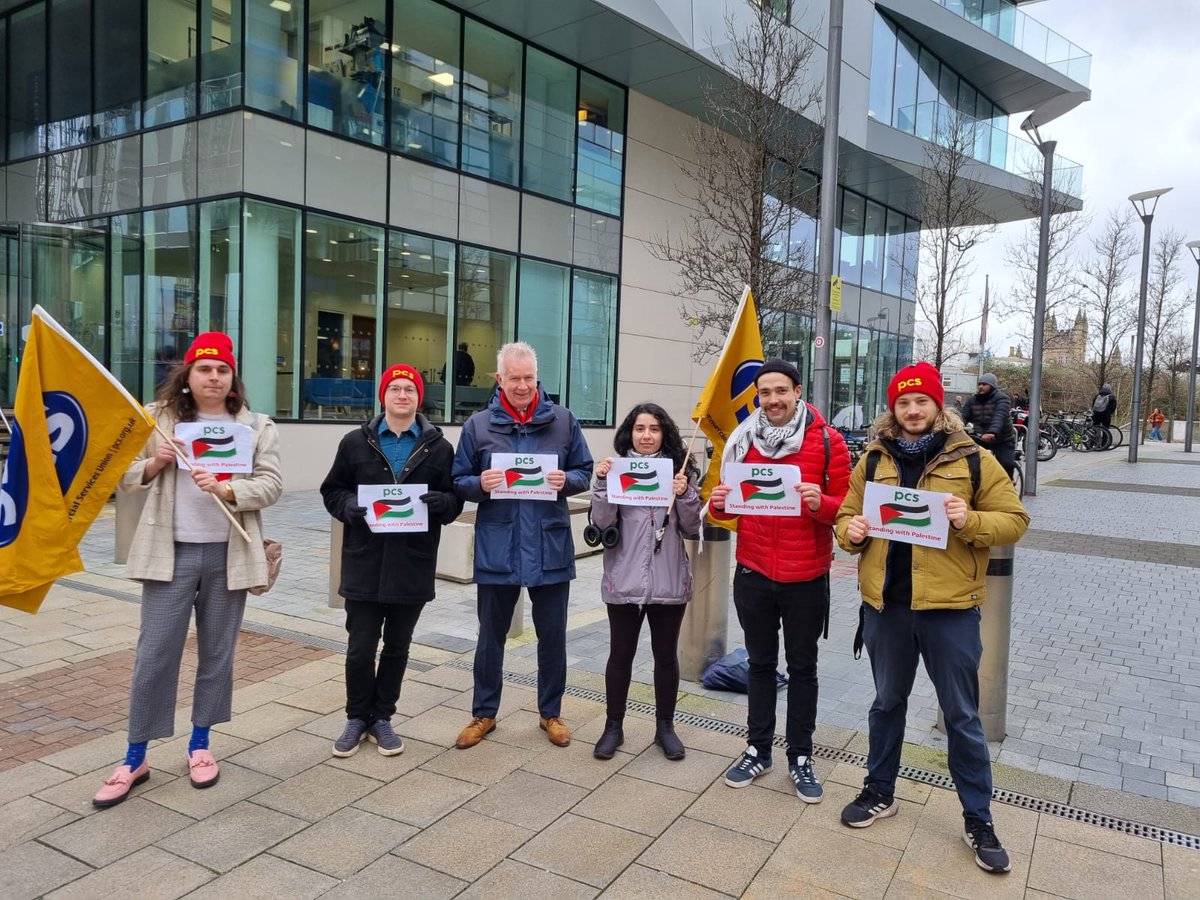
387 578
989 412
1156 420
1104 404
188 558
647 575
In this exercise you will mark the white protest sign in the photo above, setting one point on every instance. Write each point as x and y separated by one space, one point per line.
906 515
762 489
219 447
394 508
640 482
525 476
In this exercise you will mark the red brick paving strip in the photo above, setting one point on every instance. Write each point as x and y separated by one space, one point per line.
72 704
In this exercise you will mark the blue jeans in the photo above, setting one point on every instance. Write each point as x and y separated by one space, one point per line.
948 643
1156 433
496 603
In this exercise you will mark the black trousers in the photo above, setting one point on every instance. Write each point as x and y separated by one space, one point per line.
625 626
763 606
1006 455
371 693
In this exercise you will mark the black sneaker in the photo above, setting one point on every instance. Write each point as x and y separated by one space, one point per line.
355 734
384 736
989 855
867 807
748 767
808 788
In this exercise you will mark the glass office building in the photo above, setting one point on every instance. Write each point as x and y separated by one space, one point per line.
343 183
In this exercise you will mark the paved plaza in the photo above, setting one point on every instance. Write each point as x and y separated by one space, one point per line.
1104 720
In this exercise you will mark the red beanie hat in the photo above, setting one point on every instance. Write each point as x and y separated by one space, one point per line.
402 370
919 378
213 345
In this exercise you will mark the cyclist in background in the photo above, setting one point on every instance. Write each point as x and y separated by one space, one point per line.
988 411
1104 404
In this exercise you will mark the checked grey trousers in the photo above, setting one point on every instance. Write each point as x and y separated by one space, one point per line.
199 584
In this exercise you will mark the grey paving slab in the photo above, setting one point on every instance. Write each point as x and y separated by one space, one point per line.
117 832
232 836
158 875
345 842
440 845
30 870
512 878
267 878
382 878
583 850
716 858
27 818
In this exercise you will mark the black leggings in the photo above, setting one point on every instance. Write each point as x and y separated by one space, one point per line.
625 625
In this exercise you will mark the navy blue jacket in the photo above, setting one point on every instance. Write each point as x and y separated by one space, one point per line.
523 542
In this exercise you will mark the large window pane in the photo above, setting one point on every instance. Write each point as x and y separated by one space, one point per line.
172 48
484 318
220 297
545 299
221 54
883 70
347 47
904 99
912 250
550 114
63 270
273 48
125 286
27 81
426 81
170 291
593 347
491 103
3 106
850 255
893 255
420 296
601 147
927 94
343 291
873 247
272 280
118 68
70 24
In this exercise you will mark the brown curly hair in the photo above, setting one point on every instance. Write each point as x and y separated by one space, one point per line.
180 403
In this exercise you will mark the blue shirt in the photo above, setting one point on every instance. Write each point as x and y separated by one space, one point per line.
397 447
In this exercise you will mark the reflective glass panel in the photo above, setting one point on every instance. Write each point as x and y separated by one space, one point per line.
893 254
543 322
173 44
883 70
904 99
873 247
220 299
220 54
912 250
850 255
26 81
601 146
491 103
272 280
118 69
484 319
927 94
593 347
70 26
426 81
273 48
169 290
125 285
347 54
550 115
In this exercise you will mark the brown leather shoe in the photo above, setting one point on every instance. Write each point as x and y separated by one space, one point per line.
474 733
557 730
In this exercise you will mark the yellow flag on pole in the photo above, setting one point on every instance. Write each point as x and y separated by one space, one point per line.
76 430
729 395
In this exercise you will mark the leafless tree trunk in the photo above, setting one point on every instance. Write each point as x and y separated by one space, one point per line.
1102 290
1163 306
953 224
745 185
1177 353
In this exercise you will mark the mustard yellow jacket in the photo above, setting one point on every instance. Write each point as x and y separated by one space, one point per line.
941 579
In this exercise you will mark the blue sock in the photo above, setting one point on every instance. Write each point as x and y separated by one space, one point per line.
135 754
199 739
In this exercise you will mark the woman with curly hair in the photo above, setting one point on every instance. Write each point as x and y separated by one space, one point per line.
647 574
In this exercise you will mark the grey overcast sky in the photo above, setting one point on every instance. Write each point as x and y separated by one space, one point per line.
1140 131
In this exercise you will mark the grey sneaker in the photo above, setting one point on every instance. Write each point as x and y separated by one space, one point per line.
355 734
385 738
748 767
808 788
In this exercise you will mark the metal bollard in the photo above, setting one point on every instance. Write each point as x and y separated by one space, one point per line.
995 633
336 529
702 637
128 512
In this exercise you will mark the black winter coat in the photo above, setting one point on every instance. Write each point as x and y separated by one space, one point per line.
388 568
991 414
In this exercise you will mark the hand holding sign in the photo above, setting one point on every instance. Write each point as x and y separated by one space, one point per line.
394 507
640 482
763 489
218 446
907 515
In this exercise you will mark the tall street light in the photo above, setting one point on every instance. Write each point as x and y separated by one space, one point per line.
1194 246
1047 112
1144 204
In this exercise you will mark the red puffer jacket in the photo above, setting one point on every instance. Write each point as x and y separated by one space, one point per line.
797 548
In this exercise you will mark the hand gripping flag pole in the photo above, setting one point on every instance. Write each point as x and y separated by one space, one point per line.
217 500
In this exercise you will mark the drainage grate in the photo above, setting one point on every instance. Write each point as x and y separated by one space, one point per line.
934 779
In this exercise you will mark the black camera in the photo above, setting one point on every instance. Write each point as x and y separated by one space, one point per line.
594 535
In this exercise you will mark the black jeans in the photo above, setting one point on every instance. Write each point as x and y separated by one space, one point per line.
372 693
1006 454
762 606
625 626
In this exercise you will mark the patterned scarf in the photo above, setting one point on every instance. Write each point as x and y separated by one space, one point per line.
917 446
772 441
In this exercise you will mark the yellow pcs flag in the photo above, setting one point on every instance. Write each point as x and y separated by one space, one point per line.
729 395
76 431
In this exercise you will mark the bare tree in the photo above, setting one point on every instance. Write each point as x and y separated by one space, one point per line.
953 224
1164 306
1177 355
745 184
1102 279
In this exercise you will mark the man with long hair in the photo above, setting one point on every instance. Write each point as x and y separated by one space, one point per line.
922 603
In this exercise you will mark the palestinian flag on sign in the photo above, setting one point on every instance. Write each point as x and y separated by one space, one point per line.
214 448
524 476
401 508
638 481
898 514
762 489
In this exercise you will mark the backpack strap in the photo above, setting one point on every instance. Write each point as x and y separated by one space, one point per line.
973 465
872 464
825 476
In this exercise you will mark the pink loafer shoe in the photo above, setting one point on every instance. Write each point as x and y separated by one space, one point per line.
118 786
202 769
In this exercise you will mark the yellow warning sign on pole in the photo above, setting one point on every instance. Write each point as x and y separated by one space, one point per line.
835 293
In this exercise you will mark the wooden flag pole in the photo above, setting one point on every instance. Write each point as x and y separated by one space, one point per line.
217 500
686 457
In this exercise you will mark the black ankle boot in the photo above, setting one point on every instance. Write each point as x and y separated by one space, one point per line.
613 737
665 737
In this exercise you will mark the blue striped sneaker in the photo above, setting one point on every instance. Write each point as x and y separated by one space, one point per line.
748 767
808 788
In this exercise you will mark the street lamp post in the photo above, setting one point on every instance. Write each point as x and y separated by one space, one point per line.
1144 204
1194 246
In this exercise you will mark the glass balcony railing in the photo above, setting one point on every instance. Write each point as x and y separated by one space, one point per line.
1002 19
988 143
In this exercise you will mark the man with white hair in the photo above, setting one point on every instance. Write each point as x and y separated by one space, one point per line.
521 542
